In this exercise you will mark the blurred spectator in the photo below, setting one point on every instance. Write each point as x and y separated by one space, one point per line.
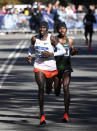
37 17
48 16
9 22
25 16
21 11
26 11
74 8
70 12
49 8
3 10
6 9
61 13
56 16
92 7
32 19
57 3
80 9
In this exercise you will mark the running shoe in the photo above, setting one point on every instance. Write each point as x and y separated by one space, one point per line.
42 120
65 118
86 42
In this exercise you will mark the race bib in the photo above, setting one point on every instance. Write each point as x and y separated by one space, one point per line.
67 51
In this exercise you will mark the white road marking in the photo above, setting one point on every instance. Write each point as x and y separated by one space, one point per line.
12 55
2 68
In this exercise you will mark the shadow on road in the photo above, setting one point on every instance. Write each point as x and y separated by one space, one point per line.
18 98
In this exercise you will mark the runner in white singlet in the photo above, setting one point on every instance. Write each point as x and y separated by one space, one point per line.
45 65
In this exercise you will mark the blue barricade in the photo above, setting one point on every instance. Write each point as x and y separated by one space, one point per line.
1 20
19 22
50 19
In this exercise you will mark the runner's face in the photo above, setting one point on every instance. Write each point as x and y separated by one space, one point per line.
42 30
62 31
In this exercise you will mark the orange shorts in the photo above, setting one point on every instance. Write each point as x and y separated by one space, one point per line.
48 74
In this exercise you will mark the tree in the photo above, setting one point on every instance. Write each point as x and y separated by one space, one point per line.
3 2
6 2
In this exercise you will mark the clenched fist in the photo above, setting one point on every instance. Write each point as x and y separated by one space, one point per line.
29 59
47 54
74 51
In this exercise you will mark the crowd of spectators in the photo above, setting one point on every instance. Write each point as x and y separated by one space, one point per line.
28 18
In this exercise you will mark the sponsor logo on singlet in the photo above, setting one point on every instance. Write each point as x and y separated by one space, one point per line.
39 50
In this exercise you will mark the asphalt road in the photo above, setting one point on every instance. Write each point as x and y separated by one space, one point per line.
19 109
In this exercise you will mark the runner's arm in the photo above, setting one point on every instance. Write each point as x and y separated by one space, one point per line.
60 49
31 50
73 51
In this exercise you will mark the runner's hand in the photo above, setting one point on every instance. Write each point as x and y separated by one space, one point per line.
29 59
74 51
47 54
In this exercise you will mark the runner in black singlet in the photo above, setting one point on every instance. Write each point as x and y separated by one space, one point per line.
88 20
64 67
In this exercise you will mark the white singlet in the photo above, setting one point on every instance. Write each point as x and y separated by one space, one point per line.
48 64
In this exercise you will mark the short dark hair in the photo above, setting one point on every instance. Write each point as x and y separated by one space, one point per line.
44 23
61 24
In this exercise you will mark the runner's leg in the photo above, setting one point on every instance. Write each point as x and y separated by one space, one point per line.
40 79
66 82
49 83
90 36
57 84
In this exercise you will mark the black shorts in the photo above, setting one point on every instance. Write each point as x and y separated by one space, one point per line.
63 65
89 29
